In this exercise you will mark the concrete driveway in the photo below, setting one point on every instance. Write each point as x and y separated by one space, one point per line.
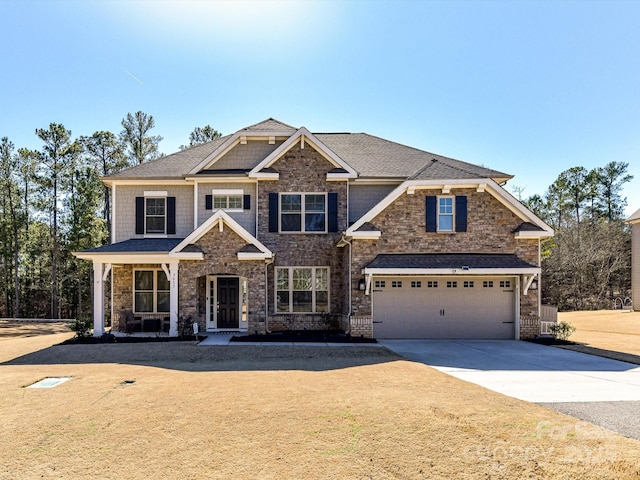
527 371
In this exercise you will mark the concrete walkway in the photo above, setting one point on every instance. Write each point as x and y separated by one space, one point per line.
527 371
225 339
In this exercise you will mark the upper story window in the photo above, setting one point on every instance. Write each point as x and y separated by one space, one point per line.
230 200
303 212
445 214
155 215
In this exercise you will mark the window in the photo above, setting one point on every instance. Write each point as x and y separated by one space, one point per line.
303 212
396 284
227 202
505 284
151 291
487 284
432 284
445 214
227 199
155 215
380 284
452 284
416 284
468 284
302 289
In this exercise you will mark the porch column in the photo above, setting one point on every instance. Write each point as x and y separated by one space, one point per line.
173 299
98 299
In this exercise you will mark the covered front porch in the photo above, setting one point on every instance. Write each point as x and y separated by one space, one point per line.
144 292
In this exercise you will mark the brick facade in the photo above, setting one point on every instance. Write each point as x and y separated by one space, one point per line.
403 224
305 171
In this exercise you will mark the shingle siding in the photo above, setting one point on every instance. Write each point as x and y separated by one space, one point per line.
125 209
246 218
245 156
363 198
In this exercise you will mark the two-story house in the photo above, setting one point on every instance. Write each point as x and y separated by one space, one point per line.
275 227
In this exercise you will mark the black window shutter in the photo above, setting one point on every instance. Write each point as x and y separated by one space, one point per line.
139 215
171 215
208 202
273 212
246 202
461 213
432 202
332 211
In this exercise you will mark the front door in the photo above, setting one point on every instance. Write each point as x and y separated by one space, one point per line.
228 305
223 303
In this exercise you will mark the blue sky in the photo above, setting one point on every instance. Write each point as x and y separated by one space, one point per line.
525 87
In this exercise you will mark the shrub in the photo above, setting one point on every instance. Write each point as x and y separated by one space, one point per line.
562 330
82 327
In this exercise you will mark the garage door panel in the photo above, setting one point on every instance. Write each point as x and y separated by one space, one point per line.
441 307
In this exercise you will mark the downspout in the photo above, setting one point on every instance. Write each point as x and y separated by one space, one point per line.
266 293
350 286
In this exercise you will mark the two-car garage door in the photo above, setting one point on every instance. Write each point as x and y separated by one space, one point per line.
444 307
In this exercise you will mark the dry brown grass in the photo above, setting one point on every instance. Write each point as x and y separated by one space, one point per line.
615 330
277 412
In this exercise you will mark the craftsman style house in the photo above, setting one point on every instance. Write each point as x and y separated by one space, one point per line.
275 227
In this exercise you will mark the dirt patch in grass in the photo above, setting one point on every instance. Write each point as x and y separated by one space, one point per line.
608 330
177 410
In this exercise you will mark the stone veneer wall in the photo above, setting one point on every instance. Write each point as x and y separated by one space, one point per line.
123 289
403 226
305 171
220 258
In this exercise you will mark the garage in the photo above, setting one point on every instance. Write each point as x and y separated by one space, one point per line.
482 307
446 295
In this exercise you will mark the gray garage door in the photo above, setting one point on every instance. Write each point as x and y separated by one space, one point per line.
444 307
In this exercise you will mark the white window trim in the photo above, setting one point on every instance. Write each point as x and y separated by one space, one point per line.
227 192
453 214
156 195
313 289
303 212
156 272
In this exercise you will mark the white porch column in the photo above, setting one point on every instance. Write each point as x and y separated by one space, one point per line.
98 299
173 299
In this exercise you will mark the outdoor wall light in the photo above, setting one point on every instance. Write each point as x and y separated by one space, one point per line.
534 285
362 284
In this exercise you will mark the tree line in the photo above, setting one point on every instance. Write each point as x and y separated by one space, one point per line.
52 203
587 264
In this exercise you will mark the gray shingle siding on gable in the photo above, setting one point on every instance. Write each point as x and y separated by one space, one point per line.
246 218
363 197
246 156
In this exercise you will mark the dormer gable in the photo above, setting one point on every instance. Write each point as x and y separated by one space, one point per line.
302 137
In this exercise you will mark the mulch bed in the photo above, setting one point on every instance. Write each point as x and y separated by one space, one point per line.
311 336
108 338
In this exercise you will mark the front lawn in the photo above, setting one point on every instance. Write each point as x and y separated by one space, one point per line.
177 410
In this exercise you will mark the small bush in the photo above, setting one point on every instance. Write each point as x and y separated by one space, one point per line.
562 330
82 327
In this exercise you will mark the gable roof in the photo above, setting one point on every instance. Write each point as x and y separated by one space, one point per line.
373 156
269 125
303 134
634 218
367 155
254 250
